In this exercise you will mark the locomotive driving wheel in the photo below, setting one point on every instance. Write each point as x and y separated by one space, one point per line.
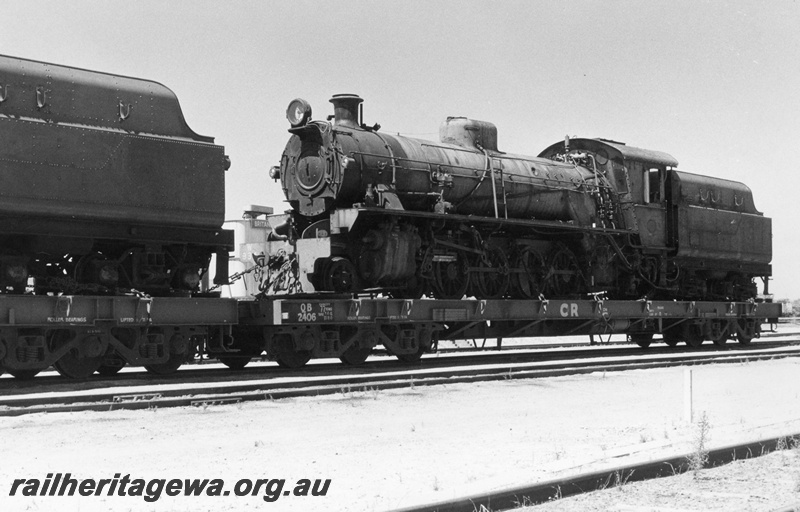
562 274
490 280
450 278
527 280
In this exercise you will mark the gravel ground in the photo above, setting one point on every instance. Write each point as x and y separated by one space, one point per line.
766 483
391 449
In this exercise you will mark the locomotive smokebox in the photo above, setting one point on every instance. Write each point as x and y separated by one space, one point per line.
345 109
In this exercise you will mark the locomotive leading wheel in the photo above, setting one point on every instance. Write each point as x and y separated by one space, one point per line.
490 281
450 278
340 275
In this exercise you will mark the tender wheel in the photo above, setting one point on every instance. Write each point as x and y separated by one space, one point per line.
643 339
83 359
491 279
450 278
562 275
527 281
355 355
293 359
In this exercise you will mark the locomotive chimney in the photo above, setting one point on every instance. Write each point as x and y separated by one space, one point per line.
345 109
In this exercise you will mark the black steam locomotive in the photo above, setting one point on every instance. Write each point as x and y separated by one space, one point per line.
105 187
387 214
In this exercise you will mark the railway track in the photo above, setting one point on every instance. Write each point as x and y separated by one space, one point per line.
205 386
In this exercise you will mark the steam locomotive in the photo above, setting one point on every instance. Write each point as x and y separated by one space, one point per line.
387 214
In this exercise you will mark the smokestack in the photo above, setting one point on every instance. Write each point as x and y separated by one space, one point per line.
345 109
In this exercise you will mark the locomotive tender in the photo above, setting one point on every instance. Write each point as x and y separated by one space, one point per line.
105 191
105 187
373 212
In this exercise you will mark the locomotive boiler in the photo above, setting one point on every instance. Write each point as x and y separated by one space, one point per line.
105 187
379 213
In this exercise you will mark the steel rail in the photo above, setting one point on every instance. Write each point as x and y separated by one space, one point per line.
509 355
149 396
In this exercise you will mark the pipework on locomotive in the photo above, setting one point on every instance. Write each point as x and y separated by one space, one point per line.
374 213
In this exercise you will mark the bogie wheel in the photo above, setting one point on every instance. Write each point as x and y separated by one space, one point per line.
426 340
340 275
170 366
643 339
672 337
179 352
693 335
112 364
720 333
24 374
108 370
355 355
234 362
293 359
562 274
491 279
527 281
745 331
83 359
410 358
450 278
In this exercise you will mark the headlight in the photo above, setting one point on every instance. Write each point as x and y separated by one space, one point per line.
298 113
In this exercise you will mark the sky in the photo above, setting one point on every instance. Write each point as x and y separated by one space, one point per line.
713 83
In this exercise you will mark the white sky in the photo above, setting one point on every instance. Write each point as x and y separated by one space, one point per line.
714 84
